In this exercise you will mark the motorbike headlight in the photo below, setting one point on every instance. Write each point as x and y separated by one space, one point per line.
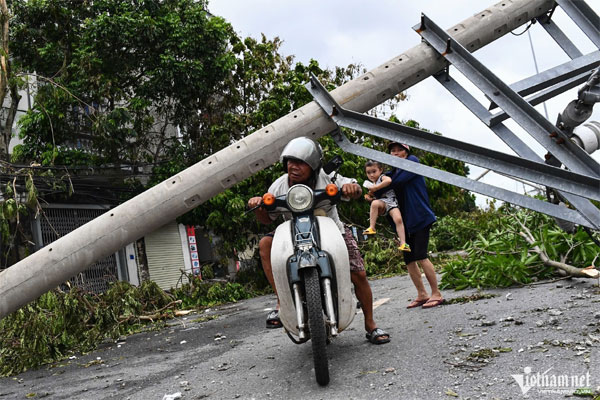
299 198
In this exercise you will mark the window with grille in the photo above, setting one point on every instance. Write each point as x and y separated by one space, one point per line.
59 220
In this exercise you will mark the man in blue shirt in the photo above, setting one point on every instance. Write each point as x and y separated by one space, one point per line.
418 216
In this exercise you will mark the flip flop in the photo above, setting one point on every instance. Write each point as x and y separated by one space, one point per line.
433 303
273 321
375 334
417 303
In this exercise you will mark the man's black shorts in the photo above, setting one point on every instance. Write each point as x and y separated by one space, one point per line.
418 242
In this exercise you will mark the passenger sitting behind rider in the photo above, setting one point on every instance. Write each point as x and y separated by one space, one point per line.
302 160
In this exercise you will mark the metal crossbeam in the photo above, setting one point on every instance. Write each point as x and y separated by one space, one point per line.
502 131
503 163
450 148
559 37
544 95
464 182
585 18
564 76
584 206
549 136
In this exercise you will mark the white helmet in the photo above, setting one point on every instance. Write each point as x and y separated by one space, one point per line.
303 149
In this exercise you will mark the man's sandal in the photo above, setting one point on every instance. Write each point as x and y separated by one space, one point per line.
273 321
376 334
369 231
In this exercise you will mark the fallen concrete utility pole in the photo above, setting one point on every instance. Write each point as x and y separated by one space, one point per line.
71 254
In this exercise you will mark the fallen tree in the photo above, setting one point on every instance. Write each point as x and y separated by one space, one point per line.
518 246
62 323
564 268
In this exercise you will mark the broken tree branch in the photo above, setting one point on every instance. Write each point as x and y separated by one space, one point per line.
569 269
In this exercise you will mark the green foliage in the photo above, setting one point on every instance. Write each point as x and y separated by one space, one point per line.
199 293
61 323
381 256
254 278
19 199
112 72
207 272
499 257
226 292
453 232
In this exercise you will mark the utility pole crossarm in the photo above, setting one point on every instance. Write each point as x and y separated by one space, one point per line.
506 164
548 135
584 17
500 162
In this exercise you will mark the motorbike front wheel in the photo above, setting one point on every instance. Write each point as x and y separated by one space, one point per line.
316 325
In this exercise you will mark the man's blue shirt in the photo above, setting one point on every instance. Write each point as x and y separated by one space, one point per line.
413 200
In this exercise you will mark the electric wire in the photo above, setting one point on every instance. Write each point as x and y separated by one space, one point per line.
536 68
525 30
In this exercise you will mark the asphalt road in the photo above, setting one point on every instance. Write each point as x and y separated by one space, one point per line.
544 335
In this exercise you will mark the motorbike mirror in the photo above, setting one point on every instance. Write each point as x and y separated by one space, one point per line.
333 164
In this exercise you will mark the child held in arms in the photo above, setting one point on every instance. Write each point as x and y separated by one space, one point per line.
384 204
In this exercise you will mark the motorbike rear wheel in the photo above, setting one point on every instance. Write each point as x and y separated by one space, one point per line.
316 324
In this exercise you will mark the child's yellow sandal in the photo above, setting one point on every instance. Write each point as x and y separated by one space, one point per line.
404 247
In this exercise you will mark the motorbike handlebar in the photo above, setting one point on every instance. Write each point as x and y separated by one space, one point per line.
270 202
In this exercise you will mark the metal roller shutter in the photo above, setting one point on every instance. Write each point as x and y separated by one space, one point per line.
164 253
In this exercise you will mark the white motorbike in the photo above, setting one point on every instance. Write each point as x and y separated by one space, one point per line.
311 270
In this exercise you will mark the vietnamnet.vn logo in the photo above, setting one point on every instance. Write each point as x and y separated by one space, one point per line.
551 383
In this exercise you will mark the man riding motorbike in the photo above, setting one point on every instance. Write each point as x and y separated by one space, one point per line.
302 161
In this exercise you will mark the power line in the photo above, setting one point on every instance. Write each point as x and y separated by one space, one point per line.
536 68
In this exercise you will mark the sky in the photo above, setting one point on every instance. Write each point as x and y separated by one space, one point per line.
338 33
